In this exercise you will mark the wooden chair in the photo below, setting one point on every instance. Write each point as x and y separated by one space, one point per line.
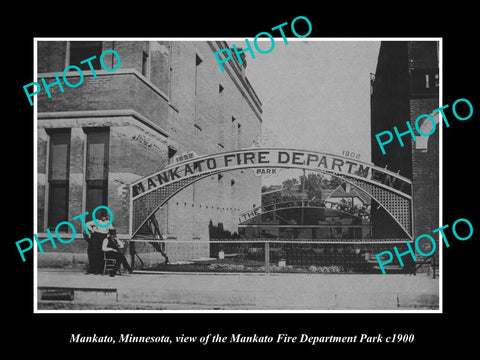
109 264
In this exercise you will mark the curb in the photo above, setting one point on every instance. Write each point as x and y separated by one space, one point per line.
254 300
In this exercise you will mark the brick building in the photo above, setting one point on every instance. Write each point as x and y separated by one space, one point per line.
165 99
404 87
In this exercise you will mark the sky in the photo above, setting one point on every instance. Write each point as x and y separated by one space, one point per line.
316 94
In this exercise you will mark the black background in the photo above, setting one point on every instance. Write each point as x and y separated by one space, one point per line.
49 333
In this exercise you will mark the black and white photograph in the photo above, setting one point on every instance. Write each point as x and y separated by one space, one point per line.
241 183
238 174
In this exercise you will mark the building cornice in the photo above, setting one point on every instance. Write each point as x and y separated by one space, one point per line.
128 71
103 113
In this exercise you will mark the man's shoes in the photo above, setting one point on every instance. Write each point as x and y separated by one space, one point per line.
112 275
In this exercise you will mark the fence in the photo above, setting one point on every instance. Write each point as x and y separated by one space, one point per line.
264 255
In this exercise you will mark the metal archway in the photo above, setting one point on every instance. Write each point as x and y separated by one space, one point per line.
390 190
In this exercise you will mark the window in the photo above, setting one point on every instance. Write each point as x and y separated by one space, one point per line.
171 154
145 67
198 61
96 176
197 129
58 176
239 135
81 50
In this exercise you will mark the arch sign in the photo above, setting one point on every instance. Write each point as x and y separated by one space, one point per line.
389 189
297 204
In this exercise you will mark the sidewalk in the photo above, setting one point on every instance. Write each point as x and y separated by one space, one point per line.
192 291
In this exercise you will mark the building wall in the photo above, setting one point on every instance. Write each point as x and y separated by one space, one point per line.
147 115
397 97
201 126
390 107
425 162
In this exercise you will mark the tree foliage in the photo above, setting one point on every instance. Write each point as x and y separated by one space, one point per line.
311 184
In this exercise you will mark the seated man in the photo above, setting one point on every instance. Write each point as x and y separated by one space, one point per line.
113 248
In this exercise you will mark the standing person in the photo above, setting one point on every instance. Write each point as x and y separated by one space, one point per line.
97 235
113 248
90 267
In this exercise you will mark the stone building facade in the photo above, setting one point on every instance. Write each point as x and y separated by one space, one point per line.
166 98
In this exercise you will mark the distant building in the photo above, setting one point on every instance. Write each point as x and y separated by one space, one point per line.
350 195
167 98
330 215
